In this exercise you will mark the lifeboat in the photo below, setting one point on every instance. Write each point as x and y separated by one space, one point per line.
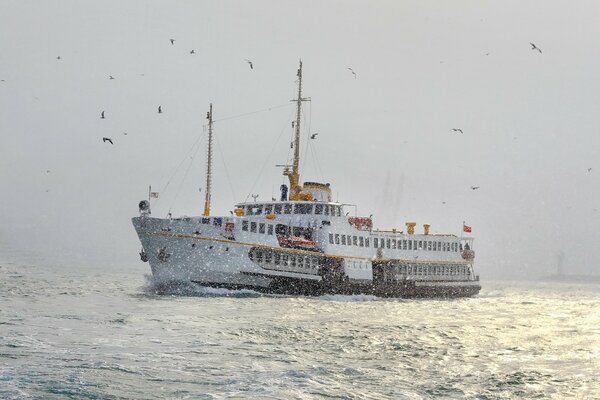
468 255
297 242
361 222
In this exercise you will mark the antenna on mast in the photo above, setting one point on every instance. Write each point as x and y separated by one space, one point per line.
294 175
208 164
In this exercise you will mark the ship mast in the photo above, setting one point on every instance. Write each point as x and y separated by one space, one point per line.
294 176
209 164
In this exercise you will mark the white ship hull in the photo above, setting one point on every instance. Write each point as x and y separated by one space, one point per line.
178 251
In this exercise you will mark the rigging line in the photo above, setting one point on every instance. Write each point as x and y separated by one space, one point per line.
307 139
184 177
226 170
251 112
164 188
267 159
316 161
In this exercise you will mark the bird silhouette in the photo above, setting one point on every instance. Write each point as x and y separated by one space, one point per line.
58 58
589 169
474 187
172 41
192 51
125 133
457 130
293 123
102 115
105 139
534 47
250 63
351 70
111 77
159 109
314 136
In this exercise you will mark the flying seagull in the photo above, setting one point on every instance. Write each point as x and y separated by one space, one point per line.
192 51
58 58
534 47
314 136
353 73
111 77
457 130
105 139
159 109
172 41
124 133
250 63
102 115
474 187
590 169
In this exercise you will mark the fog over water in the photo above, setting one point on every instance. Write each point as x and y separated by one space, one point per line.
530 121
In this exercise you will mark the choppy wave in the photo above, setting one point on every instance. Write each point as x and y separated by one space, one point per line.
115 336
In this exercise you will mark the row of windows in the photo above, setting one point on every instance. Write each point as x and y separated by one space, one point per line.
350 240
408 244
216 221
256 227
288 208
286 260
450 270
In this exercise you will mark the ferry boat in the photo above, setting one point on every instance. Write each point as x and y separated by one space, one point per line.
303 244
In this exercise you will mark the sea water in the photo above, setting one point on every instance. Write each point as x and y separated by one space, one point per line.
89 334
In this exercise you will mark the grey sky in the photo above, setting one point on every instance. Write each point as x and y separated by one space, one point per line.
385 143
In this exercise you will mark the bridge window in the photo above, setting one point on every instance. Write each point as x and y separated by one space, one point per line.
303 209
420 245
326 209
429 245
393 244
270 230
361 241
254 209
278 208
268 257
217 221
331 238
253 227
261 228
206 221
277 259
375 242
366 242
410 242
348 240
355 240
287 208
244 225
343 239
318 209
337 238
268 208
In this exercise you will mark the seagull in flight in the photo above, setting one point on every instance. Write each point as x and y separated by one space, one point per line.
105 139
172 41
159 109
102 115
474 187
534 47
351 70
590 169
111 77
250 63
457 130
314 136
193 51
58 58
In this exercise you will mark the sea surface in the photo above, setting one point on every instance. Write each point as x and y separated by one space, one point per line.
86 334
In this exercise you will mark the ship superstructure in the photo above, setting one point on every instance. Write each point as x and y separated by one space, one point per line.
304 243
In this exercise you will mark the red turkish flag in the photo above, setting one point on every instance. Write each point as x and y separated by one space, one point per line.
466 228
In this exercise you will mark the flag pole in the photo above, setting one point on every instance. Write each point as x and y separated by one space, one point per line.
149 192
